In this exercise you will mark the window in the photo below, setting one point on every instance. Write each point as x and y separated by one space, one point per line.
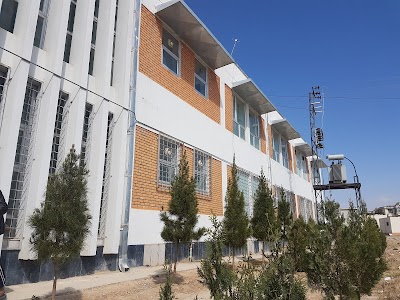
254 130
305 208
168 160
200 78
248 185
62 100
106 177
41 23
8 14
87 127
23 159
280 149
170 52
114 37
239 118
3 80
301 165
202 172
94 36
70 29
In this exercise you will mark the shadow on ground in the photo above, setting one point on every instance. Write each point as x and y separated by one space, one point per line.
64 294
161 278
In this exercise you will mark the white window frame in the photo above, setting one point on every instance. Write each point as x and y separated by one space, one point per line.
70 33
202 171
235 119
254 138
177 58
93 43
278 150
196 76
171 165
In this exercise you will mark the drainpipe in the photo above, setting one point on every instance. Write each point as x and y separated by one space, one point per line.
126 205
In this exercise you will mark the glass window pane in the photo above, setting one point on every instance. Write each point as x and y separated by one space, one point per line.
94 32
254 126
240 113
8 14
67 50
170 43
170 62
71 17
91 61
38 33
201 71
200 86
96 8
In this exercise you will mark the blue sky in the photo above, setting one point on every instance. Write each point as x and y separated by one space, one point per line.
349 48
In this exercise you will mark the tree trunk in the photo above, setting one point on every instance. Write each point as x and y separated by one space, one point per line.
53 294
176 255
233 257
263 251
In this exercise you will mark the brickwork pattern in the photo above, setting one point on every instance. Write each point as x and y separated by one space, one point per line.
269 128
228 108
145 192
150 64
262 136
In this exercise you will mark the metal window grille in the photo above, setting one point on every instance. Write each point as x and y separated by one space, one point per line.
86 133
254 186
244 187
202 172
200 78
41 23
8 14
168 160
3 80
114 37
94 36
62 100
106 178
70 29
22 162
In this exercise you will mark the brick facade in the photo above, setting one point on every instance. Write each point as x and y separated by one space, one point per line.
150 64
269 129
228 108
145 192
262 136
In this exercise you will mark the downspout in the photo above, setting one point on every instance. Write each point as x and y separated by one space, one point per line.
126 205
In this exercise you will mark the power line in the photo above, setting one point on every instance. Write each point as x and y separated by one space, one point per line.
342 97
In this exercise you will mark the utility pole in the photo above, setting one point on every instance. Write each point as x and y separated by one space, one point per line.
317 138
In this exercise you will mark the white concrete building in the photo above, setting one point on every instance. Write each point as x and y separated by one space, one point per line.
70 74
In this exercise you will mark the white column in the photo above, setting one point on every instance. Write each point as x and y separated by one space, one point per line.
95 166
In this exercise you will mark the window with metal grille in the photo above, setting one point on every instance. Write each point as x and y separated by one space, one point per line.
41 23
17 199
244 187
3 79
200 78
254 130
202 172
87 124
70 30
170 52
8 14
106 177
168 160
114 37
239 118
94 36
62 100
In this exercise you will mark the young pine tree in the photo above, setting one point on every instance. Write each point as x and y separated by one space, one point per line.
181 218
263 222
285 217
61 224
236 223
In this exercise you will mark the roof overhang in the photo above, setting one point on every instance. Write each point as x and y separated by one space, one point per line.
184 22
304 148
284 128
321 164
249 92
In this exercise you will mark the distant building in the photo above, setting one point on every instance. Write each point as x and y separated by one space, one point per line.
388 218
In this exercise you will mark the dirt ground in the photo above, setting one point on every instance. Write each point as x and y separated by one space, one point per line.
187 285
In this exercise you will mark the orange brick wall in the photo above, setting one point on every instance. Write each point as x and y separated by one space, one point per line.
228 108
150 64
146 194
262 136
290 155
269 127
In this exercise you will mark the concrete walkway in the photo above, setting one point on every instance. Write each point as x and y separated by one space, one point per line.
79 283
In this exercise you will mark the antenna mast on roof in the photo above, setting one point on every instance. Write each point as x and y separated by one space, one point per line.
316 107
234 45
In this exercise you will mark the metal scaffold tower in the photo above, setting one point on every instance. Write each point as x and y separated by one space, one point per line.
317 137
